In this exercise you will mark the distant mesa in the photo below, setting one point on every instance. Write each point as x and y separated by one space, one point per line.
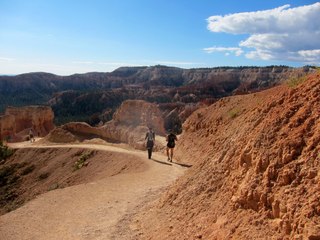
86 97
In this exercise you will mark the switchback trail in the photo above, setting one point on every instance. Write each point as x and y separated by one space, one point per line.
92 210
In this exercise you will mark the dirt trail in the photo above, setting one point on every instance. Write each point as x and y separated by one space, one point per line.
92 210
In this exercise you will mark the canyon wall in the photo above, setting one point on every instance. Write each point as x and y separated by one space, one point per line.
18 121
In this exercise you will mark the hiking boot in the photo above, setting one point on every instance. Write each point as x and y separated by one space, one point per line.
168 159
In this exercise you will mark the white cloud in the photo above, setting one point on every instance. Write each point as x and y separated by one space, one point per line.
283 33
236 50
260 54
5 59
310 53
312 56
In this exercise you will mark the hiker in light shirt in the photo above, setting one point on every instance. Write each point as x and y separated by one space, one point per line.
150 137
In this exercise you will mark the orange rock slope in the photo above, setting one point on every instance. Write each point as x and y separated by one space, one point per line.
255 174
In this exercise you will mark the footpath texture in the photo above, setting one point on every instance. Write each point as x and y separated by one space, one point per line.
94 209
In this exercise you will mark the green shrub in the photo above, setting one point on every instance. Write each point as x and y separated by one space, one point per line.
295 81
53 186
8 174
5 173
22 164
43 176
10 195
28 170
233 113
82 160
5 152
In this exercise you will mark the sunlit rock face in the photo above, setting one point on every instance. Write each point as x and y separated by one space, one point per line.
129 125
134 113
17 121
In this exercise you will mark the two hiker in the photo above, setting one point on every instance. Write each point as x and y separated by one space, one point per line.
170 138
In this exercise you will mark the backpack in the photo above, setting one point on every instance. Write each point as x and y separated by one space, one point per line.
150 136
171 139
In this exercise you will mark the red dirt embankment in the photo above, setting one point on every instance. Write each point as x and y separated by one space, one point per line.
33 171
256 170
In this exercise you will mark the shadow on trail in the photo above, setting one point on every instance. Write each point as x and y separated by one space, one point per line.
183 164
161 162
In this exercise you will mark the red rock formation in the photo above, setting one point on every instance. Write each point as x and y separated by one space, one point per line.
40 118
133 113
16 120
7 127
129 125
60 135
255 171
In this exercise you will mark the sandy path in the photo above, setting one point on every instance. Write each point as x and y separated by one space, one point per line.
91 210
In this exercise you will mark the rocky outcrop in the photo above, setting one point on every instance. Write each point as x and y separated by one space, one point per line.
133 113
129 125
173 122
255 169
60 135
7 127
18 120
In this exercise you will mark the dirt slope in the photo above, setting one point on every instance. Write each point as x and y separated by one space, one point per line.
33 171
102 198
256 170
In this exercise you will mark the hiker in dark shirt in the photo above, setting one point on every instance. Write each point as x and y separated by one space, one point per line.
150 137
171 138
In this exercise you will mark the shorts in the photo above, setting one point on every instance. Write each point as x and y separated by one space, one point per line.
150 144
170 145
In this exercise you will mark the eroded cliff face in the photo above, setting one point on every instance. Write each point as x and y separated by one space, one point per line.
255 171
7 127
18 120
129 125
81 96
133 113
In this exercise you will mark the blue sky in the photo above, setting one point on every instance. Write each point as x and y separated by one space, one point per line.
77 36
